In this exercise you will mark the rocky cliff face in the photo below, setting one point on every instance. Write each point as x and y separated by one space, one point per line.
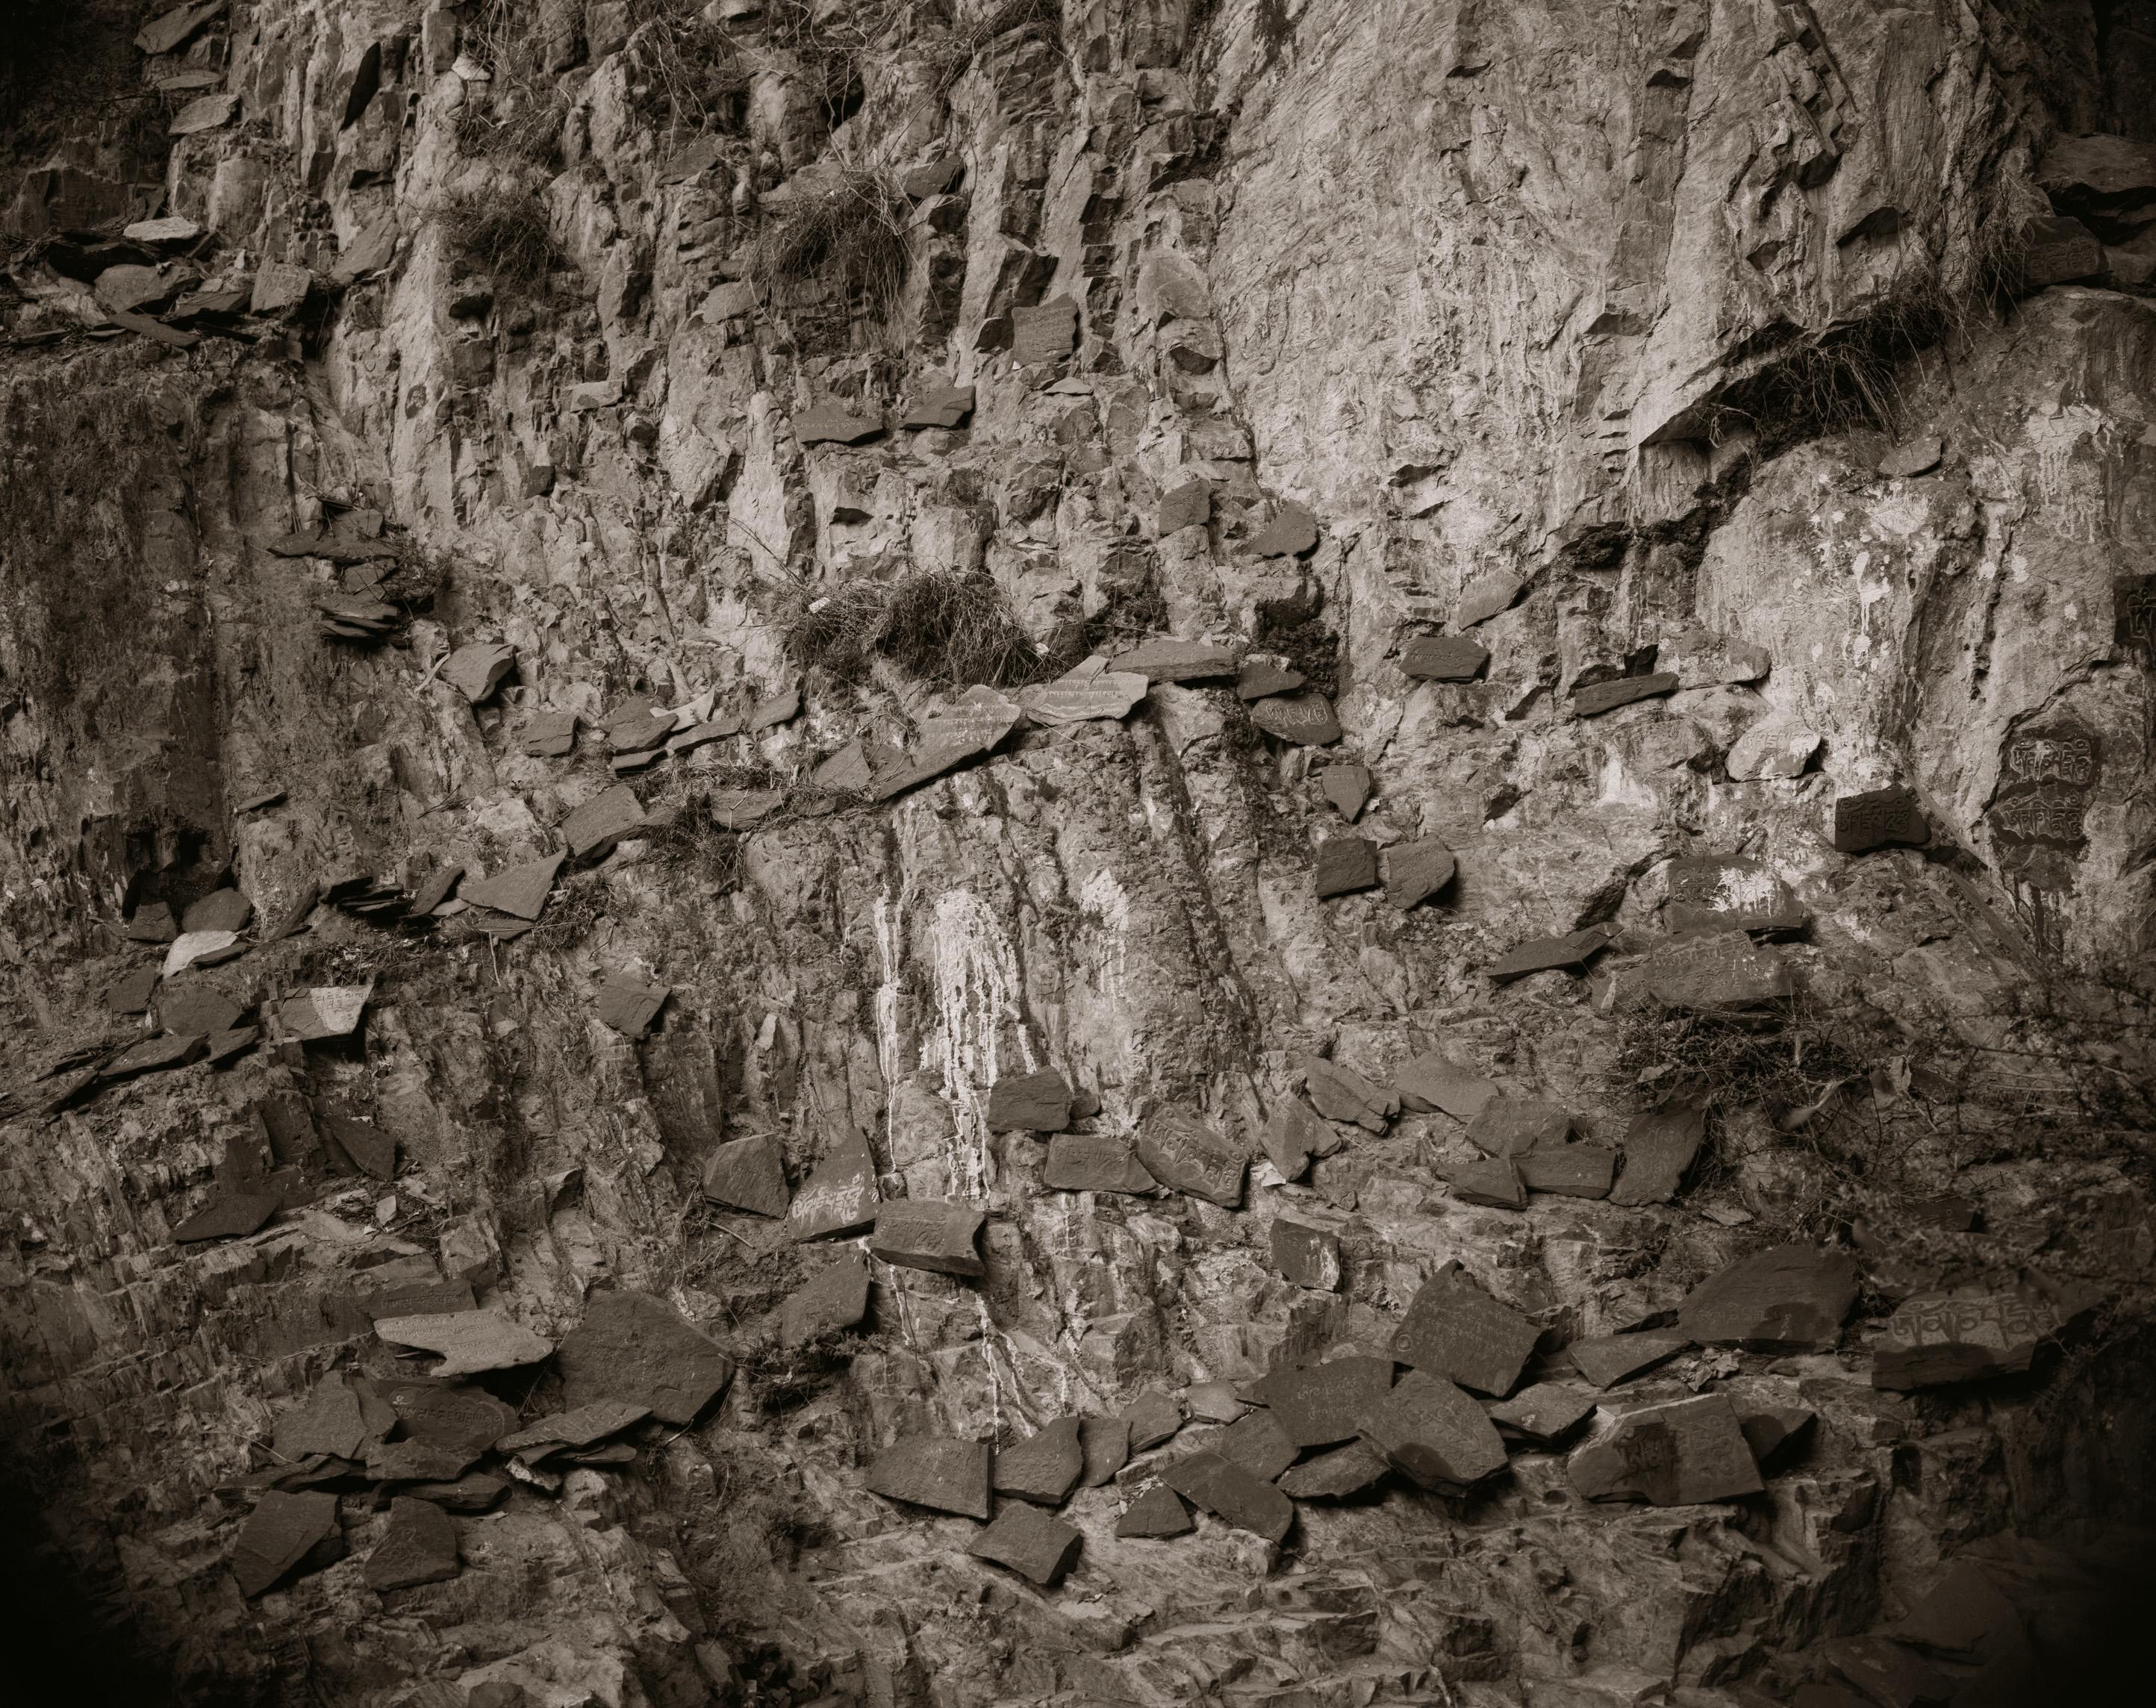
1511 645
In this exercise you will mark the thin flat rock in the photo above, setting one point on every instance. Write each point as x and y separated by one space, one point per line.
1717 973
1095 1163
1430 1431
1036 1546
929 1233
1444 657
416 1462
153 922
748 1174
946 406
153 1056
419 1546
837 1299
131 993
1155 1515
371 1150
1034 1103
638 725
1887 817
602 822
1486 596
1046 1466
1092 692
1292 533
1232 1495
1344 865
1660 1145
1787 1298
169 29
1307 1256
477 670
1178 661
979 719
839 1197
1492 1182
1260 679
469 1341
1187 506
936 1472
232 1214
1775 748
1455 1330
548 735
1306 720
190 948
1679 1454
829 423
220 911
1414 871
1107 1443
1570 953
1257 1443
1042 334
630 1005
329 1421
637 1349
583 1426
280 1532
449 1414
1292 1136
1435 1081
773 709
1569 1171
1154 1417
521 891
475 1491
1319 1405
1187 1155
1606 1360
740 809
1912 457
1514 1126
1347 788
1544 1414
1607 696
1335 1475
1727 892
1340 1094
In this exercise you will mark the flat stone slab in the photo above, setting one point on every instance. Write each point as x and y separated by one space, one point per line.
1260 678
168 30
603 821
1513 1126
1725 892
836 1300
637 726
448 1414
1214 1402
232 1214
1912 457
476 671
1178 661
581 1427
1154 1417
1095 1163
1435 1081
630 1005
1569 1171
1346 786
205 112
1485 597
153 922
1232 1495
1962 1334
1318 1405
739 809
832 423
1292 533
153 1056
419 1546
1339 1093
1887 817
1455 1330
773 709
1156 1513
1543 1415
1187 1155
1032 1544
1046 1466
1188 506
929 1233
207 948
1414 871
971 726
637 1349
469 1341
1679 1454
1292 1136
278 1534
1444 657
839 1197
372 1151
934 1471
946 407
748 1174
1032 1103
1490 1181
1660 1145
1430 1431
1345 864
1092 692
1606 1360
1717 973
1308 720
1774 748
1570 953
1047 332
1607 696
521 891
1774 1432
220 911
1335 1475
131 992
1107 1443
325 1011
1256 1442
329 1420
1308 1256
1789 1299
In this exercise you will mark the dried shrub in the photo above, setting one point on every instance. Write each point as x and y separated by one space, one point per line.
685 72
948 627
1785 1058
519 115
949 57
502 232
850 234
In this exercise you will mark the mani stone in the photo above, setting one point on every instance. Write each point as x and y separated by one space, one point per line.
1260 678
1416 871
1045 333
153 922
1031 1543
1292 533
1491 1180
1433 1081
748 1174
1570 1171
416 1462
1678 1455
1443 657
1215 1402
936 1472
1887 817
1154 1417
1773 747
1095 1163
279 1533
972 725
1107 1443
1722 893
232 1214
1308 1256
1333 1476
1232 1493
1513 1126
928 1233
639 1350
327 1421
372 1151
1033 1103
1347 787
1547 954
1187 1155
1345 864
1960 1336
1608 696
1787 1298
1427 1429
446 1414
940 406
1456 1330
521 890
1317 1405
220 911
839 1197
832 423
1914 457
602 822
1543 1415
1659 1146
1159 1512
326 1011
1178 661
469 1341
1258 1443
1485 597
1292 1136
837 1299
419 1546
1045 1467
1606 1360
1092 691
476 670
130 994
1716 974
1342 1094
579 1427
1189 505
629 1005
1306 719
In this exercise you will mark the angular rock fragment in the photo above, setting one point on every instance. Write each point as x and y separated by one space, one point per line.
1724 893
1214 1402
436 889
1292 1136
1965 1616
1089 693
1345 864
1569 1171
946 406
637 726
1414 871
1095 1163
1659 1145
469 1341
475 1491
1717 973
581 1427
419 1546
837 1299
1033 1103
207 112
232 1214
1435 1081
740 809
220 911
1306 720
1045 1467
152 1055
936 1472
832 423
449 1414
748 1174
1486 596
630 1005
477 670
1187 1155
1490 1180
1455 1330
1775 747
1259 679
1178 661
1774 1432
1031 1543
1428 1430
1308 1256
1787 1298
131 993
372 1151
1334 1475
1342 1094
1570 952
972 725
1042 334
416 1462
326 1011
1443 657
1514 1126
768 713
1256 1442
1347 787
1189 505
928 1233
637 1349
1963 1334
1317 1405
521 890
2056 249
1607 696
1232 1495
153 922
1292 533
1606 1360
1543 1415
1912 457
1107 1443
1678 1455
1159 1512
278 1534
603 821
1154 1417
203 948
839 1197
328 1421
1887 817
172 27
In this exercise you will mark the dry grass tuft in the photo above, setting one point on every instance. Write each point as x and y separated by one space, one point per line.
1785 1058
945 626
685 72
502 232
518 116
957 49
850 234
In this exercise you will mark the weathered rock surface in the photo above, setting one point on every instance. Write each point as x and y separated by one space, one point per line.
637 1350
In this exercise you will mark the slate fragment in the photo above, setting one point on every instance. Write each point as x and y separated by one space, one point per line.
231 1214
1570 952
1887 817
1569 1171
416 1462
278 1534
1725 892
419 1546
1679 1454
1443 657
475 1491
548 735
1318 1405
1256 1442
637 726
1089 693
1308 1256
929 1233
1095 1163
520 890
1340 1094
1157 1513
1188 506
774 708
946 406
1345 864
1912 457
1606 1360
1607 696
1659 1145
748 1174
1490 1181
936 1472
839 1197
225 910
1187 1155
1435 1081
1292 533
1963 1334
1347 787
971 726
1543 1415
370 1149
1428 1430
469 1341
152 1055
1259 679
582 1426
477 670
1512 1127
1414 871
204 948
328 1421
1031 1543
837 1298
1046 1466
222 1047
1308 720
1292 1135
130 993
1455 1330
742 809
639 1350
1047 332
833 424
1335 1474
1232 1493
1486 596
153 922
1717 973
1154 1417
172 27
594 827
1177 661
1106 1443
1034 1103
1775 747
1787 1298
630 1005
450 1415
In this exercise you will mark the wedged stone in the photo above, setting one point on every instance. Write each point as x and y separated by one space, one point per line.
153 922
1570 952
1570 1171
603 821
419 1546
781 707
205 948
972 725
1259 677
1775 1432
1185 1155
1214 1402
1347 787
1659 1145
637 1350
1291 1135
447 1414
1317 1405
1414 871
740 809
279 286
1092 692
278 1534
1292 533
837 1299
372 1151
1434 1082
520 890
929 1233
832 423
222 1047
477 670
1485 597
147 326
1514 1126
205 112
1912 457
475 1491
326 1011
1787 1298
469 1341
232 1214
1543 1415
1775 747
1429 1430
1033 1103
1306 720
168 30
153 1056
130 993
1490 1180
1334 1475
637 726
1887 817
1031 1543
174 228
1154 1417
1189 505
1232 1495
1443 657
839 1197
630 1005
936 1472
220 911
1725 892
1717 973
416 1462
1046 333
1095 1163
1308 1256
328 1421
1045 1467
1606 1360
1607 696
1178 661
2058 249
946 406
748 1174
1344 865
1256 1442
1159 1512
1340 1094
1455 1330
1678 1455
1107 1444
128 288
1964 1333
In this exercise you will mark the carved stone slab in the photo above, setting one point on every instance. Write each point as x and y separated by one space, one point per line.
1034 1103
1308 1256
1232 1493
936 1472
1444 657
1031 1543
840 1196
1183 1153
1456 1330
1961 1335
469 1341
1787 1298
1725 892
1317 1405
1887 817
1092 691
837 1299
637 1349
1678 1455
1659 1146
1095 1163
748 1174
1428 1429
928 1233
1308 720
1045 1467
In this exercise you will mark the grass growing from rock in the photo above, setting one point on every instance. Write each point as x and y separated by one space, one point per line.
947 627
503 233
848 233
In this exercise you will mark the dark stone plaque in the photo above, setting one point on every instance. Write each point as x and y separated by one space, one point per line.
1887 817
